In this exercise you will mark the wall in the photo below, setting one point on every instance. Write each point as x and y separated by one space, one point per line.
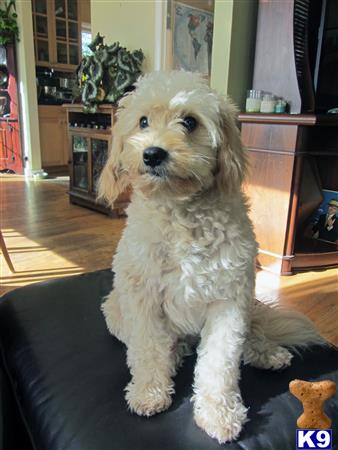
27 89
130 22
221 45
135 24
242 50
233 48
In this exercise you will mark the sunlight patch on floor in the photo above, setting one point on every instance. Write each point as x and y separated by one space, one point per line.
270 287
30 261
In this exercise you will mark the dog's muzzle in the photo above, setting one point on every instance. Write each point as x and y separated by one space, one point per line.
154 156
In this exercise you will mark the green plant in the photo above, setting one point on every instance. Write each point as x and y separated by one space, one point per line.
9 30
107 73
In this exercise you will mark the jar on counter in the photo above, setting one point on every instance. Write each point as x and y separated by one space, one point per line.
268 104
253 101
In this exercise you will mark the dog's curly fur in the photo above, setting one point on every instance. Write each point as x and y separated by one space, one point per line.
185 263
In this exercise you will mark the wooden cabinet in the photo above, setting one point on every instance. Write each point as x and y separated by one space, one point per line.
89 139
84 6
292 157
57 33
53 136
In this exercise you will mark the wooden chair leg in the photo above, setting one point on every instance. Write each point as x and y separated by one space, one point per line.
5 253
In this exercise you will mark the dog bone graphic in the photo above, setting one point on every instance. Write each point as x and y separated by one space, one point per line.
313 396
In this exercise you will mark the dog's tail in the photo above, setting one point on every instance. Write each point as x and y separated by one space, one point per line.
284 327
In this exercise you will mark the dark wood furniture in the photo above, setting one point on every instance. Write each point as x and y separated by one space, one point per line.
292 156
90 138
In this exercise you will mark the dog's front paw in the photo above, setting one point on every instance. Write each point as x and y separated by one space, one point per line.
220 417
148 399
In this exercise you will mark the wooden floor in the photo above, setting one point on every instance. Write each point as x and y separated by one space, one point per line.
49 238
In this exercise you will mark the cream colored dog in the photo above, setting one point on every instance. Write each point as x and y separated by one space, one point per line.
185 263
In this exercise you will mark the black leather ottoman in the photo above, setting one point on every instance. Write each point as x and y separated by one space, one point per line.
67 375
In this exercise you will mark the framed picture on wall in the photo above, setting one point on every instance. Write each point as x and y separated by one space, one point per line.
190 34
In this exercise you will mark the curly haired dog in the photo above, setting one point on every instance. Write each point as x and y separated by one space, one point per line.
185 263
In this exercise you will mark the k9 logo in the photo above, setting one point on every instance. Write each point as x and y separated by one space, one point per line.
316 439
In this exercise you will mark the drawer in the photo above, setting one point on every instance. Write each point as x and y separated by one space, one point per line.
279 138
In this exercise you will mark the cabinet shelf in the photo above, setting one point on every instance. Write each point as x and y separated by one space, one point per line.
290 119
307 246
90 131
313 253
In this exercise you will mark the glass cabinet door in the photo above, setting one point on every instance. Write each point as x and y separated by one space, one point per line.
41 30
72 9
42 50
41 26
99 158
72 31
73 54
80 162
60 29
56 27
40 6
61 53
67 32
60 8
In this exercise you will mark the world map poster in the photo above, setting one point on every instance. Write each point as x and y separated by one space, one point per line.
192 43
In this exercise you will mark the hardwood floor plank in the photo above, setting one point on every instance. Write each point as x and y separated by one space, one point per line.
47 237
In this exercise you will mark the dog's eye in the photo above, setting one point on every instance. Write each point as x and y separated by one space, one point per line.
144 122
190 123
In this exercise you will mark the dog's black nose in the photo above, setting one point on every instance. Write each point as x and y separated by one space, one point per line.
154 156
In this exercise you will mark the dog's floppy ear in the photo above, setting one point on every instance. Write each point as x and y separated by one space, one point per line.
231 156
114 179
